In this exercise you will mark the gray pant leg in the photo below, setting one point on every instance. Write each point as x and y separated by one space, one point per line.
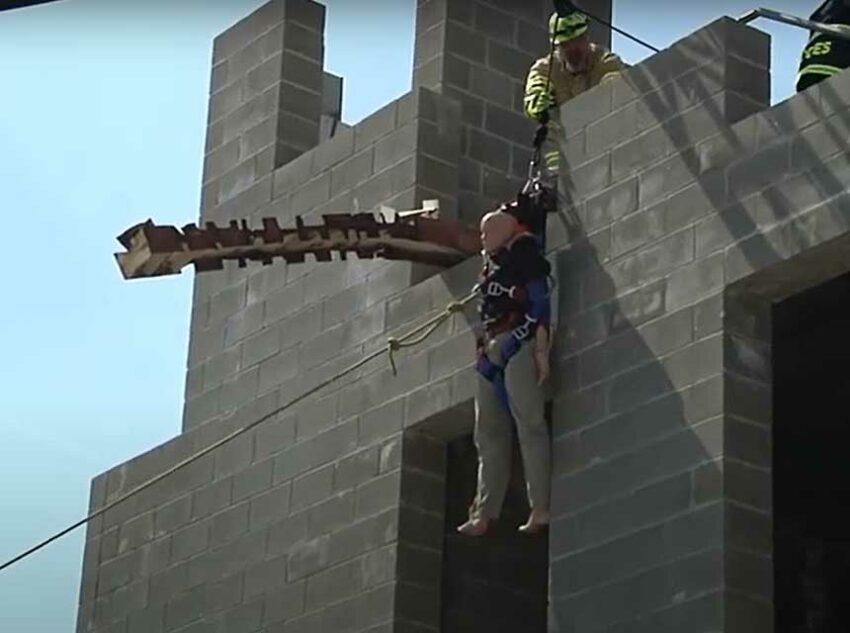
493 436
527 399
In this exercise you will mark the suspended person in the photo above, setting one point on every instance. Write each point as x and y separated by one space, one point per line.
578 65
825 55
512 366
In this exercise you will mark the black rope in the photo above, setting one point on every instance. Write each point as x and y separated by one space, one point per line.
564 7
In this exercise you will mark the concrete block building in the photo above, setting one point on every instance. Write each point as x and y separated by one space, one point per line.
701 246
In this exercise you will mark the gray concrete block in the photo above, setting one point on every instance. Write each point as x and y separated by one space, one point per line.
668 176
442 140
211 498
471 106
333 151
759 170
429 42
357 468
173 515
694 281
748 486
225 561
330 515
225 101
269 506
451 355
277 371
492 86
381 422
396 146
284 604
632 599
282 535
184 608
390 454
430 74
284 302
489 149
470 176
274 435
244 203
221 367
243 618
241 389
240 326
747 358
509 124
436 175
301 71
237 180
136 532
633 347
509 60
268 574
695 363
252 481
382 187
708 316
375 126
296 172
260 346
299 101
749 529
308 557
227 525
312 194
456 71
611 204
465 43
636 153
221 160
748 442
189 541
346 175
749 573
494 24
228 302
378 494
147 620
312 487
334 585
363 536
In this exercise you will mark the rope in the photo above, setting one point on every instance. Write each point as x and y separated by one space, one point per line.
394 344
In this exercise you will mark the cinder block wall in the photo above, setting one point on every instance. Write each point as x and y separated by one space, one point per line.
690 205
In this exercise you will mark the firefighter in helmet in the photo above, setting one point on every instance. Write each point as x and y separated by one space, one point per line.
578 65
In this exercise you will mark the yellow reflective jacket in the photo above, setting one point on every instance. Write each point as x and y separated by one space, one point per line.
564 84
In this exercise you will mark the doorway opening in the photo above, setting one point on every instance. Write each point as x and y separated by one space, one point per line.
811 459
499 582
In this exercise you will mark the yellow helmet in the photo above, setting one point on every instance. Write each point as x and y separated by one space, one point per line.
568 27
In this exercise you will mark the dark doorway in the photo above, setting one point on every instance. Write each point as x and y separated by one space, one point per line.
811 460
497 583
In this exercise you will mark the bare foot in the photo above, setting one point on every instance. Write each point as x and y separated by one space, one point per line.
475 526
537 520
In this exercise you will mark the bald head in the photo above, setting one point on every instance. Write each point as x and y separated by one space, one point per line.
497 227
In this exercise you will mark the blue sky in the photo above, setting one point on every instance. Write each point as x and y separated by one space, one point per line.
102 121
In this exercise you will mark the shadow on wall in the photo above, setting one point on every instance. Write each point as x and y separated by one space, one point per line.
760 171
637 488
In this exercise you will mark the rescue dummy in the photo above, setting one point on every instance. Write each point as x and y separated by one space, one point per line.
577 65
512 365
